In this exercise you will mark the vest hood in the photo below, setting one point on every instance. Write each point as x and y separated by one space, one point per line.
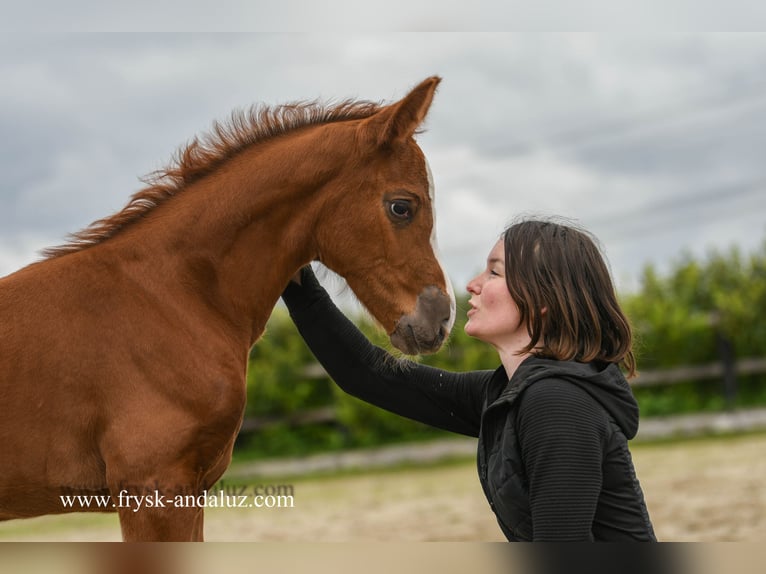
605 382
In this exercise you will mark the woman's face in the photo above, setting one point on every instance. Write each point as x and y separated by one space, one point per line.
494 317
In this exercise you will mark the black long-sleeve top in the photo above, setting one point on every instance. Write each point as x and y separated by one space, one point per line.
553 457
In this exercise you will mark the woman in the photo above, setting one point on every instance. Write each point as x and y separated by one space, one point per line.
553 421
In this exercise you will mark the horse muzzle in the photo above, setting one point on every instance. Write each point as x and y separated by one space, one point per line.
425 329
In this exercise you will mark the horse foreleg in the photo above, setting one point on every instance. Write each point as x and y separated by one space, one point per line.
198 534
162 524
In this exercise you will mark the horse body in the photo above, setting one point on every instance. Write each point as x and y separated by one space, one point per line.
123 355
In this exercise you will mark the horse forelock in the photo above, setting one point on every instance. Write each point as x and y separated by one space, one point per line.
207 153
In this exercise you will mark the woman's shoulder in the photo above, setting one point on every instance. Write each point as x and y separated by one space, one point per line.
554 390
559 399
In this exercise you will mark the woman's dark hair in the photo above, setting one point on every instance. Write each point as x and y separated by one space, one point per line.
560 281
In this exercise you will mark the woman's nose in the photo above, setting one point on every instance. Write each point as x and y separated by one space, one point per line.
473 286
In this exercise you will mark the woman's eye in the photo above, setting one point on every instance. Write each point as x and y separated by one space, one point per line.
400 209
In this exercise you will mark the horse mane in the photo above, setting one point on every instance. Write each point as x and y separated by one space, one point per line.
203 155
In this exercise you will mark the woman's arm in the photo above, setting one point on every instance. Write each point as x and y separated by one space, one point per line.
451 401
561 431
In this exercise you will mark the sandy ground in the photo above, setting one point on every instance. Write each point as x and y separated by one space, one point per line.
697 490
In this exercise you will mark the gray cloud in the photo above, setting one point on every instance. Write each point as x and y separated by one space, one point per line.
402 15
653 141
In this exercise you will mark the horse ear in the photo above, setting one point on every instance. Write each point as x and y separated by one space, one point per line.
397 122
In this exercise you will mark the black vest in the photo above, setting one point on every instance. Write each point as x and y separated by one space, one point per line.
501 469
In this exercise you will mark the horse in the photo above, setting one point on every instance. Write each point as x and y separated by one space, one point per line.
123 352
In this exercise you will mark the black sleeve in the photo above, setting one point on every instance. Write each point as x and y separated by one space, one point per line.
562 432
447 400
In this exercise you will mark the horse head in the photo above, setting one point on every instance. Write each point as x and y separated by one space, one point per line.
382 241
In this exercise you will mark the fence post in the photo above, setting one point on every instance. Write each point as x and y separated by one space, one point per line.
728 360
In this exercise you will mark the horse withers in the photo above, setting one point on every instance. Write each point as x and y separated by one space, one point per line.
123 353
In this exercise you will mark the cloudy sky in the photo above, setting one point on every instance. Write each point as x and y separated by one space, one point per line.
654 142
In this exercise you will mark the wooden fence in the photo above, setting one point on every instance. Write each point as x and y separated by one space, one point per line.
726 371
698 372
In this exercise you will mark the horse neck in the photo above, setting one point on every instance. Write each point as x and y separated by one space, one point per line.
238 235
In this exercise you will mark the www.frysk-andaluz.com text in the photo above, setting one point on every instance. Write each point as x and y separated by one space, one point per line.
222 496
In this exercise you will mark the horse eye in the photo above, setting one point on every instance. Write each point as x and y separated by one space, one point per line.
400 209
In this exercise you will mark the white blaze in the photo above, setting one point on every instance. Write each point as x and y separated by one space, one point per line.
447 282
